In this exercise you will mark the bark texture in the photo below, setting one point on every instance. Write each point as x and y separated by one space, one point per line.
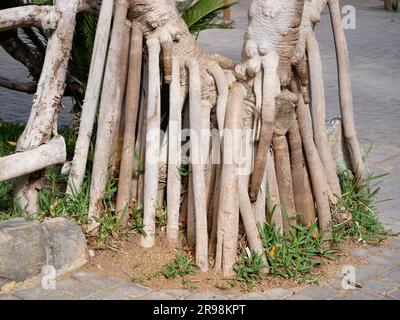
131 113
257 142
92 98
109 113
29 16
42 123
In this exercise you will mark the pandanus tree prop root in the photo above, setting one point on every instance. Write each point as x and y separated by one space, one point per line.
275 93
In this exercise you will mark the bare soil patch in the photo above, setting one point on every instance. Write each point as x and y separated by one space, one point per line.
129 261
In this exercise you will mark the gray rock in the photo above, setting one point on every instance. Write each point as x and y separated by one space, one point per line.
67 244
22 249
27 246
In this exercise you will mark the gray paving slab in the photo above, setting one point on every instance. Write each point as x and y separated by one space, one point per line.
382 286
319 292
395 294
131 290
206 296
156 296
359 294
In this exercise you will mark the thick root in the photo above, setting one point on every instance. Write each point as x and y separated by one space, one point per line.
152 145
303 196
117 146
228 214
174 154
131 112
29 16
284 180
274 202
109 113
92 97
345 92
271 90
42 123
259 206
214 195
318 113
140 144
317 174
199 188
223 91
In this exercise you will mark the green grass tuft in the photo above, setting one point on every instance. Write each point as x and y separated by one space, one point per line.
359 202
249 270
294 255
9 134
181 265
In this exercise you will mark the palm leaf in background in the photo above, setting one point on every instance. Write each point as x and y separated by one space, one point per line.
82 47
200 15
85 32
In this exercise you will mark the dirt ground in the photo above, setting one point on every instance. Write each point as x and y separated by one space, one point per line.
129 261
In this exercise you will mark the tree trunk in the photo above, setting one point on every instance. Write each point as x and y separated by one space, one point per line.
303 195
345 92
109 112
92 98
318 113
131 112
42 123
174 154
152 144
251 96
45 17
284 180
228 214
24 163
273 200
317 174
199 185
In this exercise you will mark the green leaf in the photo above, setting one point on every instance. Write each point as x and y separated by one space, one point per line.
203 8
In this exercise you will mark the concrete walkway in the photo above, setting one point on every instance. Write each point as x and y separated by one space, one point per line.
375 58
